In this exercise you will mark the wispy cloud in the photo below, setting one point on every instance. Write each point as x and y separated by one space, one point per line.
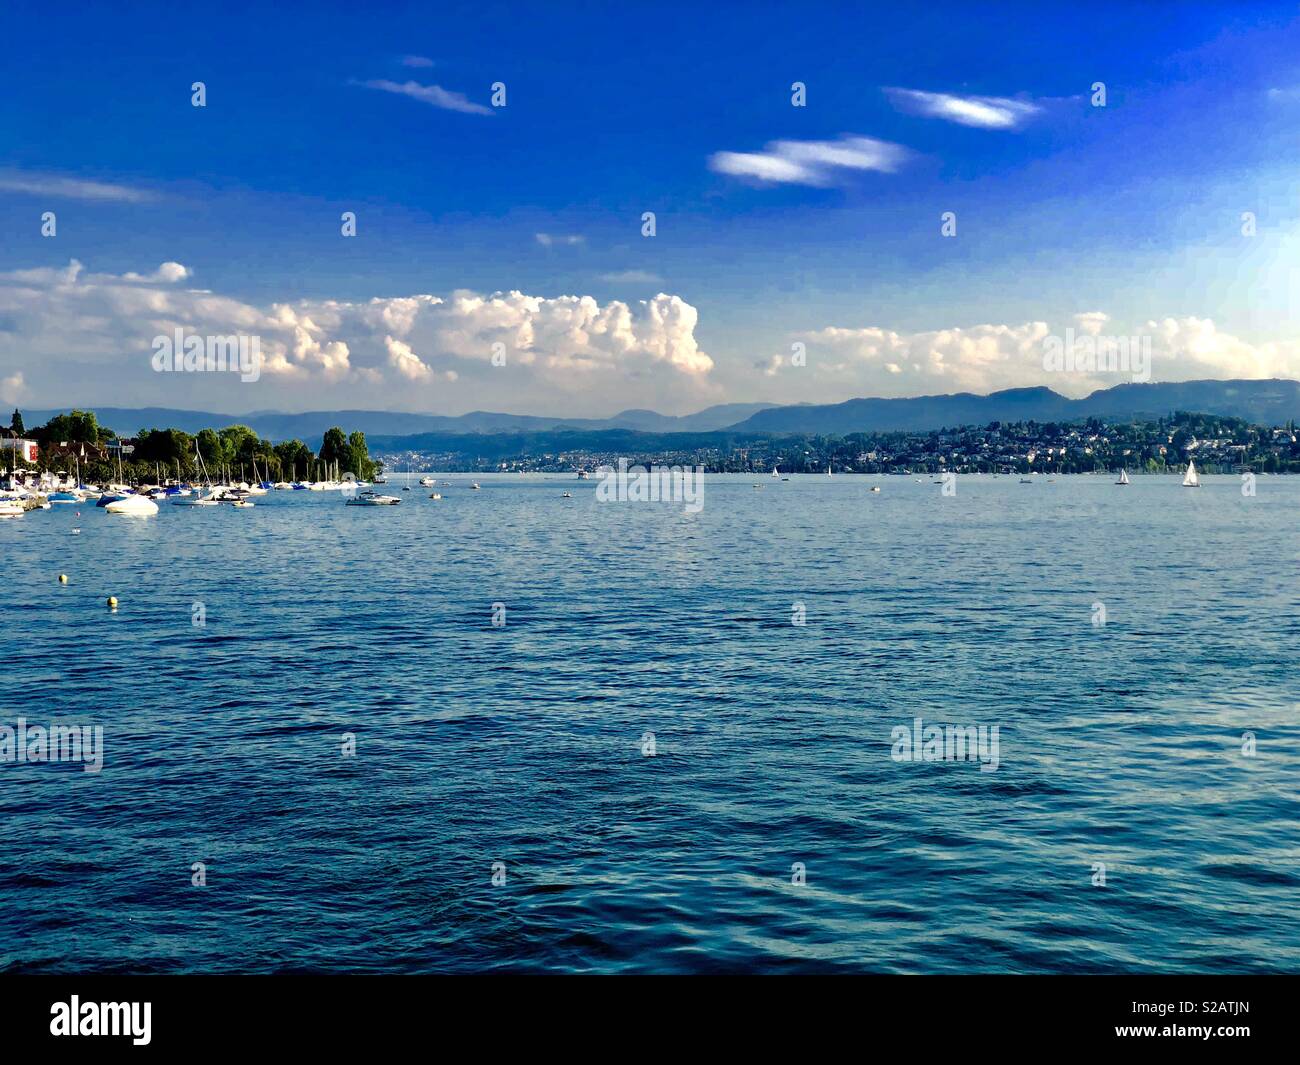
70 188
435 95
416 61
632 277
816 163
550 240
983 112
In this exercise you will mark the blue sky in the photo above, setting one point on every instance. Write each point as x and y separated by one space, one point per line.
1063 209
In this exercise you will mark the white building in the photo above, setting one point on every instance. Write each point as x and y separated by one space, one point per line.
26 449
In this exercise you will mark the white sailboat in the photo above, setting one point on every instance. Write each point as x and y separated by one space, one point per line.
255 485
828 469
1123 477
776 473
209 500
1190 480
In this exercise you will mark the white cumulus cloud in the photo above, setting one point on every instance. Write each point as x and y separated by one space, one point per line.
988 357
68 335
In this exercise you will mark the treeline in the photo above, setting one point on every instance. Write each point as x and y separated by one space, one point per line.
73 439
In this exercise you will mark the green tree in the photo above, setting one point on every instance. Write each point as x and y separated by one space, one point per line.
16 424
165 446
240 443
293 457
213 450
360 462
79 427
334 448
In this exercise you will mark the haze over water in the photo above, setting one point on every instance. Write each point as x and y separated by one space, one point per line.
1119 744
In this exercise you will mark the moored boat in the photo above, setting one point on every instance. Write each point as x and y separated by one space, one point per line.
134 505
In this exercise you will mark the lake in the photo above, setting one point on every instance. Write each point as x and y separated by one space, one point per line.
647 764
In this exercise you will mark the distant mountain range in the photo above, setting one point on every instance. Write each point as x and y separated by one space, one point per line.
311 426
1269 402
1266 402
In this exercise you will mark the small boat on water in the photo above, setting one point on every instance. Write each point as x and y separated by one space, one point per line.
112 495
776 473
9 509
583 475
435 495
475 485
370 499
427 482
875 488
567 495
64 497
140 506
1123 477
1191 480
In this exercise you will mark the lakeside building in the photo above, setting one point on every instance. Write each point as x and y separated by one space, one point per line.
25 450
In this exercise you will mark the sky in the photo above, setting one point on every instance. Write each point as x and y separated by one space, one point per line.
500 161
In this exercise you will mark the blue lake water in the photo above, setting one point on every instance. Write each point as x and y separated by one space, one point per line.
1120 744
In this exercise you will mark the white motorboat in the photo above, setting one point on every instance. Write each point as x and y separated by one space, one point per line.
370 499
134 505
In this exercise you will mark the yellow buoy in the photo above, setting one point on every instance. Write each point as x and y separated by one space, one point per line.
63 578
112 602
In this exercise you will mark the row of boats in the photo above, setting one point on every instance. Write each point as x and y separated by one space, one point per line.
19 494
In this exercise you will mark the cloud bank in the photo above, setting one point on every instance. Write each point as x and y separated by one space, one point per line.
985 358
67 335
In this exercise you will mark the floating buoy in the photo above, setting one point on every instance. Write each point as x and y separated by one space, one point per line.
63 578
112 602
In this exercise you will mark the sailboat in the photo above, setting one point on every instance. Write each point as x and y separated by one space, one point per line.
1123 477
114 492
256 487
1190 480
209 500
776 473
828 469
